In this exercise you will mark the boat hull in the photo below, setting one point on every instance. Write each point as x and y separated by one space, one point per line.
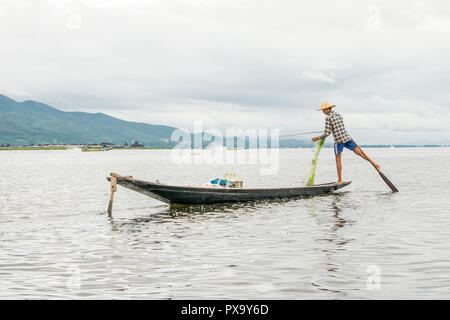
181 195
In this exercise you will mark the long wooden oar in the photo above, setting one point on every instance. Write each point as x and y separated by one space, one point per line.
388 182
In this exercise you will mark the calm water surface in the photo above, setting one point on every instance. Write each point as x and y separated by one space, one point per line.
56 240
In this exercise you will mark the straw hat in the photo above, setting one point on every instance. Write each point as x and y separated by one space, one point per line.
326 105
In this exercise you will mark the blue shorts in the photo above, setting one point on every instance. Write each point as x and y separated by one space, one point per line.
338 147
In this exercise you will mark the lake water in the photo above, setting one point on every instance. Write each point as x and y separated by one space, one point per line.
57 242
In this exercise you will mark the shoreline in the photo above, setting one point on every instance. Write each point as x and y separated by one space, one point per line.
67 148
150 148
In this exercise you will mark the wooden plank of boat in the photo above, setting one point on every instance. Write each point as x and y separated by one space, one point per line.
204 196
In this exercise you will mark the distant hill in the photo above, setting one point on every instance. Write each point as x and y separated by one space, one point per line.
31 122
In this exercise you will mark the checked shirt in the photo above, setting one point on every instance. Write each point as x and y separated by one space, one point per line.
334 123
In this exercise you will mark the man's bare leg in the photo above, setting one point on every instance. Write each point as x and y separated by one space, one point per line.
339 167
359 153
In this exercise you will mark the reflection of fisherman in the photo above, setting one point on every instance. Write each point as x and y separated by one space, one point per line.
334 123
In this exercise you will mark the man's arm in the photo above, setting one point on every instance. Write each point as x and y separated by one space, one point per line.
327 131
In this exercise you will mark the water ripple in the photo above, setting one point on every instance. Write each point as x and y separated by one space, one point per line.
57 242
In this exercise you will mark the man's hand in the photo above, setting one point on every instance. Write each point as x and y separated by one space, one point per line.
315 139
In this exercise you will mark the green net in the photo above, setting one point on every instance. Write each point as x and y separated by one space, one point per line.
312 173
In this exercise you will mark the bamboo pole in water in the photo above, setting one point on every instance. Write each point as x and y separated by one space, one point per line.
113 179
113 189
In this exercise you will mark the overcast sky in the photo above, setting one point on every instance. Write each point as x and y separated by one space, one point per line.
242 63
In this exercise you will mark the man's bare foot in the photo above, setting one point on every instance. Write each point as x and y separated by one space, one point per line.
339 181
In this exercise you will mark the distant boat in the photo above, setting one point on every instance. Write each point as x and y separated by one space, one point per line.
95 149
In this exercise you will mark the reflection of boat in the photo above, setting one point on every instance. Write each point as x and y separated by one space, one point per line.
204 196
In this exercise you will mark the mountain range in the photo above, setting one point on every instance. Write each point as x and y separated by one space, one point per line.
33 123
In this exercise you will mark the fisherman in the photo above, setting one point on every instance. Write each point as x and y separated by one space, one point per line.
334 123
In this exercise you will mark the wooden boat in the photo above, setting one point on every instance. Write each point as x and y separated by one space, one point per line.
185 195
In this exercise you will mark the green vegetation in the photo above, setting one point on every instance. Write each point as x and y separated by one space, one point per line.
31 148
312 173
33 123
70 148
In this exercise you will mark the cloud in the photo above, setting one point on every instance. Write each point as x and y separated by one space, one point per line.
227 62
